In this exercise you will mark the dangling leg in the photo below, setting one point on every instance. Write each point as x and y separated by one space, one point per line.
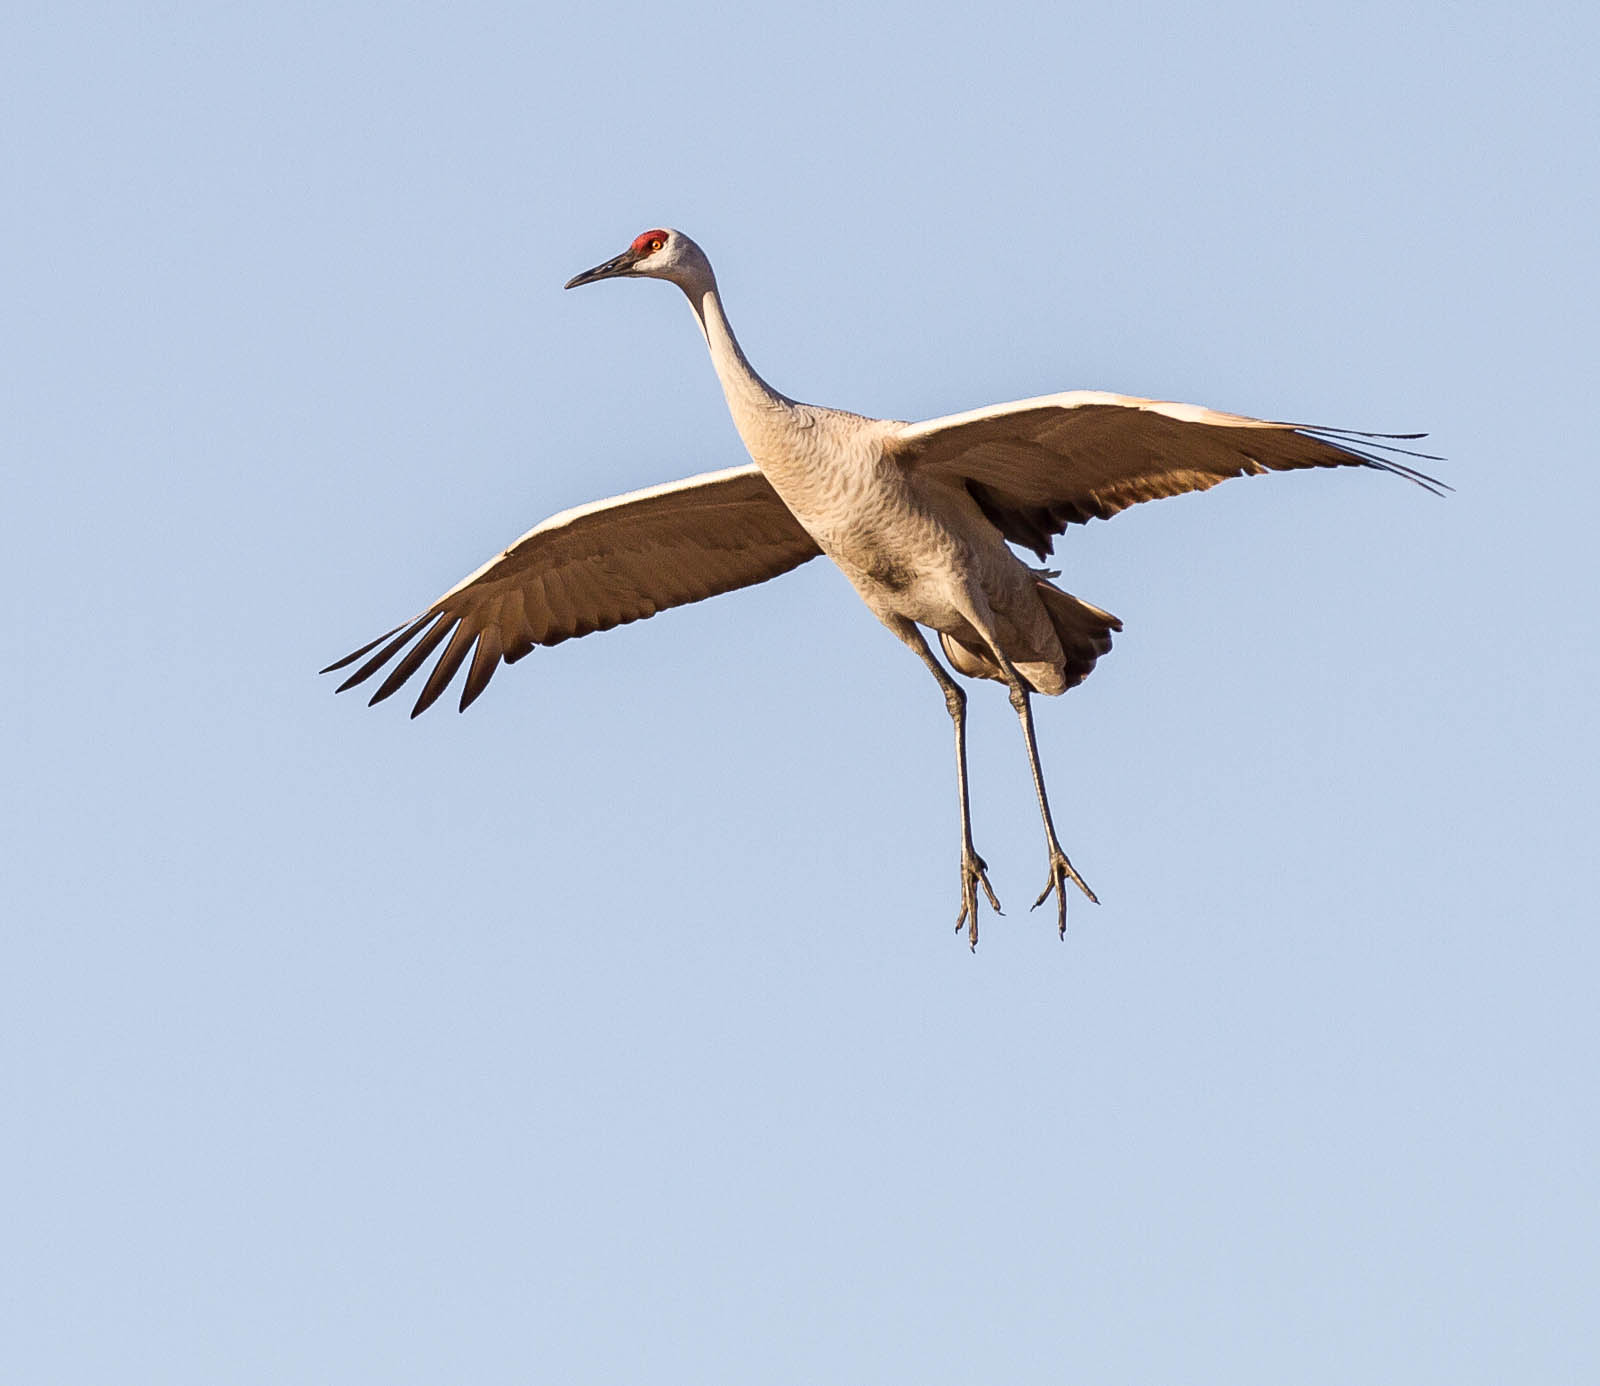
973 869
1061 869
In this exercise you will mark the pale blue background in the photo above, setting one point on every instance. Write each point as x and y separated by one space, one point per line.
617 1032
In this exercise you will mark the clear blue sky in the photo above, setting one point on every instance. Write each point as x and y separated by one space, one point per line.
617 1031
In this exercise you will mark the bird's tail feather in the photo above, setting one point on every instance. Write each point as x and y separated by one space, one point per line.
1083 630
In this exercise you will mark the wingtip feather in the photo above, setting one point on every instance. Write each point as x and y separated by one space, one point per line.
365 649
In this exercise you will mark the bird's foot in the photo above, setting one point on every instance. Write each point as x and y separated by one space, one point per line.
1062 871
974 873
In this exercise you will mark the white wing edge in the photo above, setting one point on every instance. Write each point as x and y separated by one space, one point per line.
578 512
1077 399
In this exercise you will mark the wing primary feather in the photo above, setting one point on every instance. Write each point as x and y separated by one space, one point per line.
445 669
484 662
388 652
1428 483
1369 440
356 654
414 658
1356 432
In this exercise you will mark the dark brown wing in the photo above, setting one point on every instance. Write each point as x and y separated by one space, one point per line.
1038 465
589 569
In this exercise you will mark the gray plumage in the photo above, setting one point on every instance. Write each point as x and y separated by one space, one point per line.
918 516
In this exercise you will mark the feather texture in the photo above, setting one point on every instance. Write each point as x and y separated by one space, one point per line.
1038 465
589 569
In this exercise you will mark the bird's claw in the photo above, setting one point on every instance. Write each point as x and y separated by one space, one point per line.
1062 871
974 872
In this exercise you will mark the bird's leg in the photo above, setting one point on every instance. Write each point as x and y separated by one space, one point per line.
1061 869
974 871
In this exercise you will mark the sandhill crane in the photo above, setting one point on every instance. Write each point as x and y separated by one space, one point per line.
918 516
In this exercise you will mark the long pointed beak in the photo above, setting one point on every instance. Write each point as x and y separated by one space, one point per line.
610 270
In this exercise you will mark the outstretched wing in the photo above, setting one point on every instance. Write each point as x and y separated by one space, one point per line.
589 569
1037 465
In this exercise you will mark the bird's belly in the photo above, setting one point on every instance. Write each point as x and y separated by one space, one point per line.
924 602
914 580
905 555
935 578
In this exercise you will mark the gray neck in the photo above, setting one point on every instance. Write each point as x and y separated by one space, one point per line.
751 401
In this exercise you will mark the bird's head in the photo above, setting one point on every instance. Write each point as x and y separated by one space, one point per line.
659 254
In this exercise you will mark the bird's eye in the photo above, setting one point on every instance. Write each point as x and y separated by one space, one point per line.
655 246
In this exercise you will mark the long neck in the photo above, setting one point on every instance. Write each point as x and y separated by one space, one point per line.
754 404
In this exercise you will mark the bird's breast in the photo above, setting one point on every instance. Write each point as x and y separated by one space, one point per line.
898 554
903 551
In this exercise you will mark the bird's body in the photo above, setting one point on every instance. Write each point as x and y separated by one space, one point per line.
919 517
914 545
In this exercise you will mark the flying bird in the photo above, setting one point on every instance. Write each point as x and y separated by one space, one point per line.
920 517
